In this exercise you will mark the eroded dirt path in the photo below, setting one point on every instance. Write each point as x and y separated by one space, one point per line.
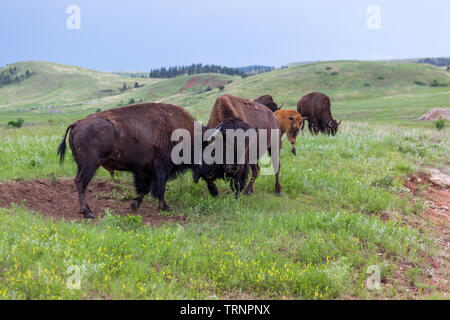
58 198
434 187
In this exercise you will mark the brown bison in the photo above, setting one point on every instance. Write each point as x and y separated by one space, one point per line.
134 138
316 106
258 117
291 122
235 171
268 102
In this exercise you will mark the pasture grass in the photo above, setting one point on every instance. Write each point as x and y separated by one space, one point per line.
315 242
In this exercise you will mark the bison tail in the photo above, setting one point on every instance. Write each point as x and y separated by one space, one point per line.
62 146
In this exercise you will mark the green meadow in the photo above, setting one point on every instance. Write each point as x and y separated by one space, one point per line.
344 209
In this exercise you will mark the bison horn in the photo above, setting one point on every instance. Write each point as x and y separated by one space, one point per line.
339 122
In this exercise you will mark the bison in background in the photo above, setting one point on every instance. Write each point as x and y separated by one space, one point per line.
316 106
291 122
236 172
134 138
257 116
267 101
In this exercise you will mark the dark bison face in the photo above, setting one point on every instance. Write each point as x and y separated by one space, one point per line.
333 127
207 172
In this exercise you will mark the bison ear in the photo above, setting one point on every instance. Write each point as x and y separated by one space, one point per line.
290 118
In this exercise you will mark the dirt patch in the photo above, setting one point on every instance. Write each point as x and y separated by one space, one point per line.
59 199
192 82
434 188
436 114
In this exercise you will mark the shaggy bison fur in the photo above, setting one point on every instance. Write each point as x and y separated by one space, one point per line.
316 106
134 138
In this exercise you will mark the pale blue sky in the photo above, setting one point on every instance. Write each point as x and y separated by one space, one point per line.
144 34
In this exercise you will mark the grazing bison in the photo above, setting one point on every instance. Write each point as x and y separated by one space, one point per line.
291 122
316 106
257 116
236 171
135 138
268 102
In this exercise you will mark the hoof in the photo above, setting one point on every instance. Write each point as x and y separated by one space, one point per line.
166 208
247 192
134 205
89 216
279 193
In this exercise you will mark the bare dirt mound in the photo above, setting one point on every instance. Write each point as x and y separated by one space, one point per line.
58 198
436 114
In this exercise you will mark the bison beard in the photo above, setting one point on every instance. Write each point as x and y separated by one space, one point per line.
134 138
236 173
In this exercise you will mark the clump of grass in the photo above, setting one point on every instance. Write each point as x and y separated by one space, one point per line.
440 124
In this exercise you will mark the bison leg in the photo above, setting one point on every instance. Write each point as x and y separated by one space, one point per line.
142 181
84 176
255 169
277 176
292 142
212 188
158 188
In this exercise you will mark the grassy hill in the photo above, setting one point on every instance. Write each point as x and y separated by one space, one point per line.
360 90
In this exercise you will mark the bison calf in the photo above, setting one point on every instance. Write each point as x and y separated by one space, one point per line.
236 171
291 122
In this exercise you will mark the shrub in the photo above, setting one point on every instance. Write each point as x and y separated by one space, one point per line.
221 87
380 78
440 124
16 124
366 84
334 73
208 89
132 101
419 83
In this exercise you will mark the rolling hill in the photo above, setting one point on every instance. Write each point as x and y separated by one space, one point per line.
360 90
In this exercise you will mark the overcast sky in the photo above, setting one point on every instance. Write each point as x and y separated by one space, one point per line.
144 34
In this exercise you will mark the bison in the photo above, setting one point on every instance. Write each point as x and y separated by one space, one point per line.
316 106
291 123
134 138
236 171
258 117
267 101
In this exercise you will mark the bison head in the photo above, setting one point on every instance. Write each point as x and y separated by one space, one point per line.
332 127
297 124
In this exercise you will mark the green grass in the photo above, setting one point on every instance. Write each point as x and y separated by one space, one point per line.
314 242
343 207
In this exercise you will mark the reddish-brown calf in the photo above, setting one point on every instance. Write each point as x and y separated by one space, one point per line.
290 123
